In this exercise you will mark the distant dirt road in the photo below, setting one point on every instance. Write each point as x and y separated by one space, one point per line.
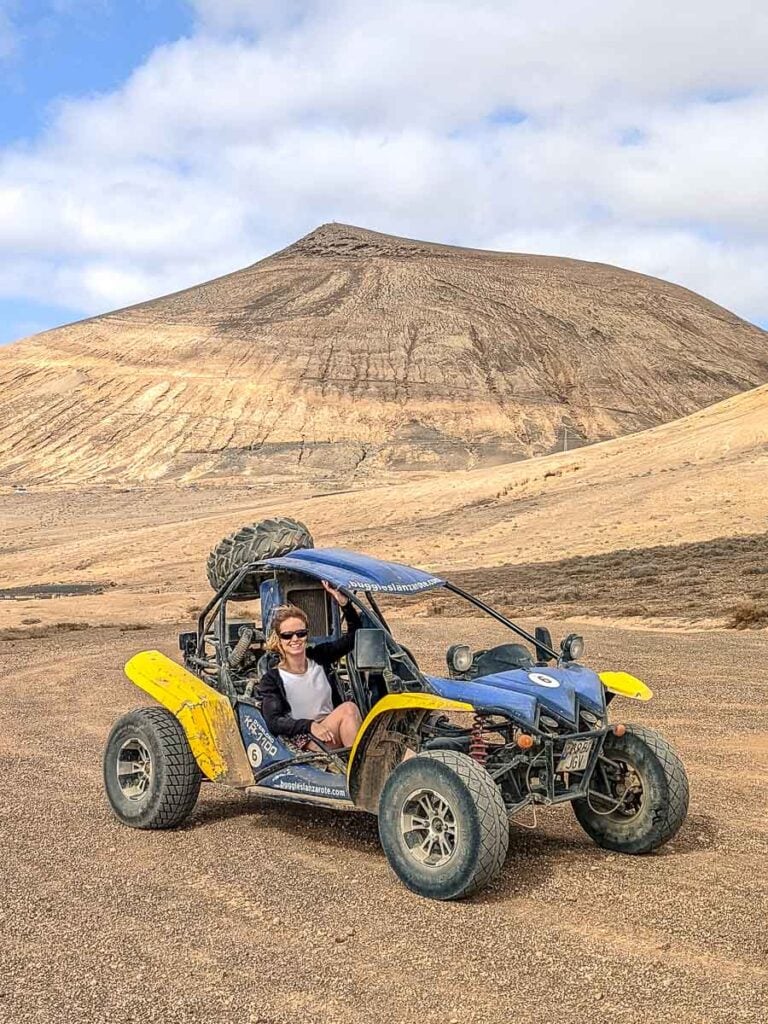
273 913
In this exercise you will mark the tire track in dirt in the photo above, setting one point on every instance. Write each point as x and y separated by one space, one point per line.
262 911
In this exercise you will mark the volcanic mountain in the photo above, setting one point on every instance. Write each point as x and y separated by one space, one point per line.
354 353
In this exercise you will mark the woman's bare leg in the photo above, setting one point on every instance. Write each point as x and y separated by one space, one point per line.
344 722
350 725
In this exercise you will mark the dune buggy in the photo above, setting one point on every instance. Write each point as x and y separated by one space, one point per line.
443 761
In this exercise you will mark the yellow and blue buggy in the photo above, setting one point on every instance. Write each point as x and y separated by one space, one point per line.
443 761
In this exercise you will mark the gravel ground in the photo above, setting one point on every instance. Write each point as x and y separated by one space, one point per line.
268 912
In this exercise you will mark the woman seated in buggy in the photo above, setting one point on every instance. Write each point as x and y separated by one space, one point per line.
298 700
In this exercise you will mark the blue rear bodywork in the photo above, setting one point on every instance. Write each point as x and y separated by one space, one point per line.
523 693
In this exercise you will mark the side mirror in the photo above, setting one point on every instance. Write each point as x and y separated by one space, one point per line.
371 653
188 643
543 640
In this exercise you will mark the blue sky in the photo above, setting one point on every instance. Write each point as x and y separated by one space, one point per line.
68 50
148 145
77 48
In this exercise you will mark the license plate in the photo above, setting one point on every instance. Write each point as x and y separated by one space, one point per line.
575 756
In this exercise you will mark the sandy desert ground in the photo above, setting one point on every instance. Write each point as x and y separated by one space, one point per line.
267 912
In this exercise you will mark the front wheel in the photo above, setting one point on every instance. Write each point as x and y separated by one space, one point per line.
150 774
443 825
638 793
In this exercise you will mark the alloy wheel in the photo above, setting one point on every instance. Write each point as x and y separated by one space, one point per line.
429 828
134 769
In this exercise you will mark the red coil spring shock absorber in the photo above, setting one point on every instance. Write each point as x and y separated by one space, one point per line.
478 748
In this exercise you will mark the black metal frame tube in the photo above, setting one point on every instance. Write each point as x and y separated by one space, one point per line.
500 618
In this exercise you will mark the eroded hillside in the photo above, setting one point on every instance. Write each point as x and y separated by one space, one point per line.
352 354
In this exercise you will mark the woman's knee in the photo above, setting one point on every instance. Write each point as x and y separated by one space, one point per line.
351 709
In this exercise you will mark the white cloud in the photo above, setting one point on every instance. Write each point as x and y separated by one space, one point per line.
634 133
260 16
731 274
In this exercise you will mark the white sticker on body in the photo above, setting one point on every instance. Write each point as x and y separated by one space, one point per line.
262 738
541 680
255 754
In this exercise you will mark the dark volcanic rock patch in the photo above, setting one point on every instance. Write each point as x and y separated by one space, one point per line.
45 590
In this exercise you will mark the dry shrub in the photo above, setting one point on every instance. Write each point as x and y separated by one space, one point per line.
508 488
749 615
639 572
435 608
38 632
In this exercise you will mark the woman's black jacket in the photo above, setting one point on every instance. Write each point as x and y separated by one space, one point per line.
274 704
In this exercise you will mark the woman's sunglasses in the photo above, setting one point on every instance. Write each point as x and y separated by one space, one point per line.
300 634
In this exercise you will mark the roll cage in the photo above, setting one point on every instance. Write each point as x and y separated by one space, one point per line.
212 624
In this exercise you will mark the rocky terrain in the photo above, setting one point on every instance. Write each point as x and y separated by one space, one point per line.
352 355
266 913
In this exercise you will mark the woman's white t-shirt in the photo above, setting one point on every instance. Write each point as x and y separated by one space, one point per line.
308 694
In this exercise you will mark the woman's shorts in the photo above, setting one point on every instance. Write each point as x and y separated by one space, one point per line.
298 743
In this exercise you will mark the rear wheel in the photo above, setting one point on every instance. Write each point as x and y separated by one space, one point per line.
638 795
150 775
443 825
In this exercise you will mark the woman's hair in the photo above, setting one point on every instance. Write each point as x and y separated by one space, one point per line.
279 615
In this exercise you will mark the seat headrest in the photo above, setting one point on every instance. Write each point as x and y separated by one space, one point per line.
265 663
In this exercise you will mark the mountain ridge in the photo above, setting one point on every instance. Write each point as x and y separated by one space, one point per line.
351 354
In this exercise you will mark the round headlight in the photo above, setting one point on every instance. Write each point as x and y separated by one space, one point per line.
459 657
573 647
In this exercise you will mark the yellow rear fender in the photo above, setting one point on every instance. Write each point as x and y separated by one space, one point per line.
382 741
205 715
625 685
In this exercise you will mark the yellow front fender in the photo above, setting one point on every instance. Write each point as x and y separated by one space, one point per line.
625 685
399 701
205 715
380 743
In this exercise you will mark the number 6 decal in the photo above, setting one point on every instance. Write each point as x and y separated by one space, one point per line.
542 680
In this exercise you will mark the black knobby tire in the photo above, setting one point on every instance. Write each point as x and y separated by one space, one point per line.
482 824
270 538
662 805
173 781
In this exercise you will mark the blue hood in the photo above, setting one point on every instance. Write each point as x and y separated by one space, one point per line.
522 691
